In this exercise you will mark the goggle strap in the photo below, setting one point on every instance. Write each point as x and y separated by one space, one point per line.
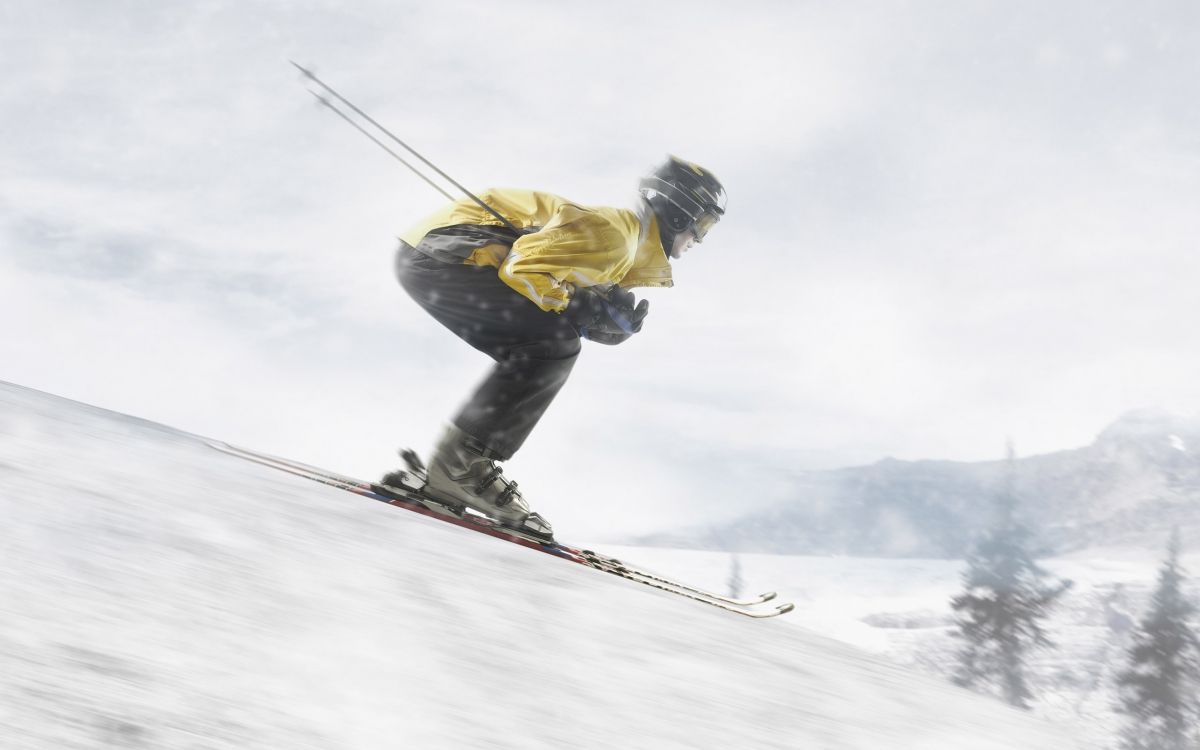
673 194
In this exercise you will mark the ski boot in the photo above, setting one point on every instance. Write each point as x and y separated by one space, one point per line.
459 473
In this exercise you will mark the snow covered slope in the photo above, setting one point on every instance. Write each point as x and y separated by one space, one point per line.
900 609
156 594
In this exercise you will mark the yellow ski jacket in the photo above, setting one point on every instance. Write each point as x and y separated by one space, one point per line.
562 245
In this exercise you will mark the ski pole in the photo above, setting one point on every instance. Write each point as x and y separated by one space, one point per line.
309 74
381 144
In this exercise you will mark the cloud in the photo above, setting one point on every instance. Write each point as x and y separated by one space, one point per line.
947 225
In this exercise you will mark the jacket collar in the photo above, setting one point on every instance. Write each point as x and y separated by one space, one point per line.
651 266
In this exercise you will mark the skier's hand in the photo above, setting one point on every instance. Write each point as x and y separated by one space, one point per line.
629 313
615 313
608 339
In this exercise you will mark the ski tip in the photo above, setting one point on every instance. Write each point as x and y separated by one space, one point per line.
767 596
783 609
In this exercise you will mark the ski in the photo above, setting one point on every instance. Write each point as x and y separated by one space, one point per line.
601 560
411 498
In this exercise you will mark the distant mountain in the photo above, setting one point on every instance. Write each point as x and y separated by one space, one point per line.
1138 478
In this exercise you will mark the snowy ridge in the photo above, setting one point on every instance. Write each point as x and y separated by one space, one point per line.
1128 488
157 594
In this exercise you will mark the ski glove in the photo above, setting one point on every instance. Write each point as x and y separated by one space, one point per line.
607 319
608 339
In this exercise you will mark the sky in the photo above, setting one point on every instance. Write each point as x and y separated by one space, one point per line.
949 224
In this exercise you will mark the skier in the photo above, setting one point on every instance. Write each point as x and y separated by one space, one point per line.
526 297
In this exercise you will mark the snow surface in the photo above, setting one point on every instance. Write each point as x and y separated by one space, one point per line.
157 594
900 609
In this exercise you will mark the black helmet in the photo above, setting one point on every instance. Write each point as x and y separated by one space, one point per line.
683 196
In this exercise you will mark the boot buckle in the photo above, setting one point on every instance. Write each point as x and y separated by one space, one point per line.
491 476
507 495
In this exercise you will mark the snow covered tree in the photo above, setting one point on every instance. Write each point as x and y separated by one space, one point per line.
1159 689
735 577
1006 596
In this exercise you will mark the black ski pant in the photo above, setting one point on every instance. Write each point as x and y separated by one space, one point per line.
534 350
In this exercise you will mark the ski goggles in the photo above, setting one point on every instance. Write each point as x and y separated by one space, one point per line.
702 223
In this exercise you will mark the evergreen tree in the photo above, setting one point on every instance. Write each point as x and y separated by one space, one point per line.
1158 690
1006 596
735 577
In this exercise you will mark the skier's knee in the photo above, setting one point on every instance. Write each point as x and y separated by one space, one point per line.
559 349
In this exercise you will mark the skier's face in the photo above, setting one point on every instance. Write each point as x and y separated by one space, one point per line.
683 242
